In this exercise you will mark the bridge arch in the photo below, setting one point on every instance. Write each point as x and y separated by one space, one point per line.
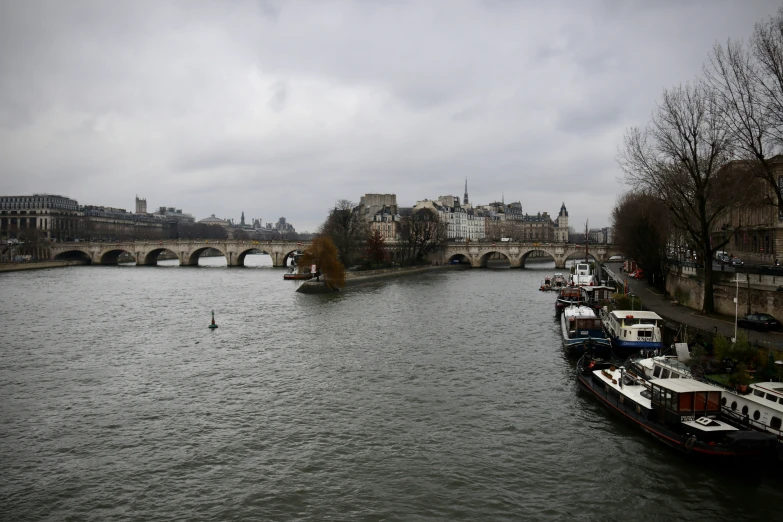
191 258
486 255
77 254
290 255
530 254
151 258
458 259
252 249
112 256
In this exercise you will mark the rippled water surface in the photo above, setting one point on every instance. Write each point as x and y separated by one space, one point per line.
441 396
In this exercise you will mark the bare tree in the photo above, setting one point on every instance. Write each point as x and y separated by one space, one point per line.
739 81
347 229
642 232
767 46
421 233
678 159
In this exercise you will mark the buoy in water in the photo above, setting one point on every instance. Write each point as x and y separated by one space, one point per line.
213 325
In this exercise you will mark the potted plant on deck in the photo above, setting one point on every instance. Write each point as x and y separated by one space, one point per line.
740 378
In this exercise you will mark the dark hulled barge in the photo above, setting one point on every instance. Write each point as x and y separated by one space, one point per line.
682 413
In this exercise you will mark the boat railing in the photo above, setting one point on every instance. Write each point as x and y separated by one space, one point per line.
745 420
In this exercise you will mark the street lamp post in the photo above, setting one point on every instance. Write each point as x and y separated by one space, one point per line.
736 306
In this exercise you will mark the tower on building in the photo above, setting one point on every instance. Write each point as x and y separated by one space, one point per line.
561 233
141 205
465 201
242 221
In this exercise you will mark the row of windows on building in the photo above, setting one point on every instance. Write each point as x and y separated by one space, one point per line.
38 202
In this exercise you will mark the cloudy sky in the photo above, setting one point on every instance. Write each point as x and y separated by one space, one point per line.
283 108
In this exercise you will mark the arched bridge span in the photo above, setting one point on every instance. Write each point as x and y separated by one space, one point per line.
187 251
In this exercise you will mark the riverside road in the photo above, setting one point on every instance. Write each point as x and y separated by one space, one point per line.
654 299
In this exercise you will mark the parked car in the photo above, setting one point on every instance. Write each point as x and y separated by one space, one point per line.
736 261
763 322
638 274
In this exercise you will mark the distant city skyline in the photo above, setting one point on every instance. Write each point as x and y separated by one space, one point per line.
284 108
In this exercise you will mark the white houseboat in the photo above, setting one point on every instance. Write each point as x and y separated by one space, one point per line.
632 331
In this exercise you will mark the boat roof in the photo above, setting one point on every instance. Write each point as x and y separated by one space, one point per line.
772 387
635 314
597 287
579 311
685 385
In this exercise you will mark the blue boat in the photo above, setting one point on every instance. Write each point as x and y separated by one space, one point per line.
582 332
632 331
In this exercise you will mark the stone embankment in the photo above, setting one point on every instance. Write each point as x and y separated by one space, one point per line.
365 277
15 267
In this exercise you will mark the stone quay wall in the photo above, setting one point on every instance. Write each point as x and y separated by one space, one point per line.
760 292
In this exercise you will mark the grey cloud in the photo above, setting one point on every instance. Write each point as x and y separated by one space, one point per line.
219 108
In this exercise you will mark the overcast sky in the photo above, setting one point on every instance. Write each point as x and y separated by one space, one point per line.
283 108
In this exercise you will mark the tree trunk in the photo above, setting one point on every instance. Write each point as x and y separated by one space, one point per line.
708 306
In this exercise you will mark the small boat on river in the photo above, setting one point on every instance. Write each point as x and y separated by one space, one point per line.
292 275
632 331
682 413
582 332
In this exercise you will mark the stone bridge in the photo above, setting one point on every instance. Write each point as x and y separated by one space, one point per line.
187 251
478 253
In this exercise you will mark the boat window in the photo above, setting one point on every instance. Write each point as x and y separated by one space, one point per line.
675 375
668 400
775 423
758 393
733 405
656 395
713 401
745 410
701 401
756 415
771 397
665 374
657 372
644 334
723 401
686 402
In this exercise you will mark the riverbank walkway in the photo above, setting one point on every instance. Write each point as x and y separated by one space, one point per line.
654 299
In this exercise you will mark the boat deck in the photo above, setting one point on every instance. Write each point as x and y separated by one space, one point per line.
611 379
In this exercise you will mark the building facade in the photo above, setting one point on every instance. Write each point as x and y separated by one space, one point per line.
53 216
754 231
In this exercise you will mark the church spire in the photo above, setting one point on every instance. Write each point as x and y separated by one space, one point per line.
465 201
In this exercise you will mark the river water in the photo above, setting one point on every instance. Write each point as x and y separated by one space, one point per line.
443 396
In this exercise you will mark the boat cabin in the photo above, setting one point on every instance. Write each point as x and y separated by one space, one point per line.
584 326
678 401
597 296
558 280
568 295
582 269
663 367
634 326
